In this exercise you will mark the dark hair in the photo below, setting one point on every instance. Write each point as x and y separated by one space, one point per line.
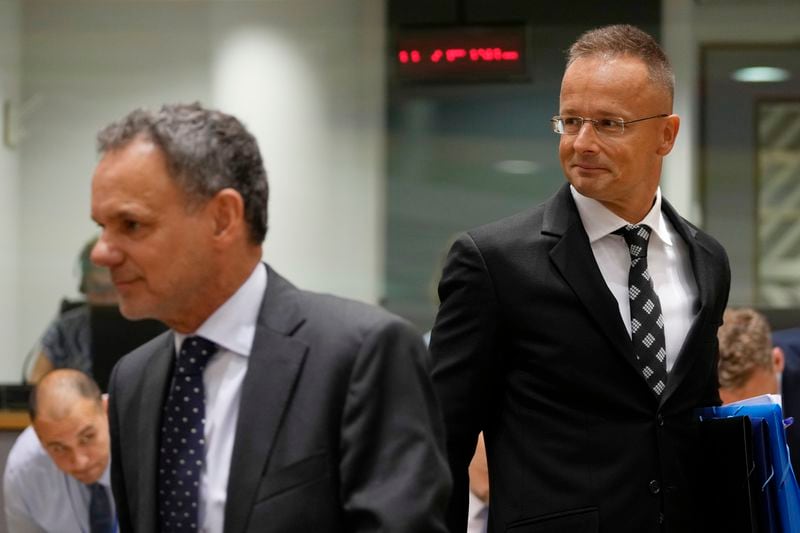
69 380
86 264
206 151
625 40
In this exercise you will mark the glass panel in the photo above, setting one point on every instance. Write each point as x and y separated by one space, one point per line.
748 131
778 278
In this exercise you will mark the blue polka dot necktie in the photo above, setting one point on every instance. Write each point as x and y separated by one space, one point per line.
101 517
181 454
647 322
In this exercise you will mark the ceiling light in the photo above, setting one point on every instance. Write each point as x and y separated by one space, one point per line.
761 74
517 166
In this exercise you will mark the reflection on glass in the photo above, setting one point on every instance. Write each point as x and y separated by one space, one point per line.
779 203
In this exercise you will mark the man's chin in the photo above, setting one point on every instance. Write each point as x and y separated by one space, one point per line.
586 176
87 478
587 186
132 311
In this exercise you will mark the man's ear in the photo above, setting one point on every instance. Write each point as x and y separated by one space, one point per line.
669 133
104 399
227 213
778 360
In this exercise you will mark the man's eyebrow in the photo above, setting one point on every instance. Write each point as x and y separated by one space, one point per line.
128 212
86 429
568 111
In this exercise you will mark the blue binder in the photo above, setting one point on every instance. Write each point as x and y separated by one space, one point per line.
780 502
767 482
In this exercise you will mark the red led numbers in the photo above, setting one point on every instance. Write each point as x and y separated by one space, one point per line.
460 53
452 55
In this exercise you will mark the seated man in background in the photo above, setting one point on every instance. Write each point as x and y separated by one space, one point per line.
788 340
752 363
57 476
748 363
66 343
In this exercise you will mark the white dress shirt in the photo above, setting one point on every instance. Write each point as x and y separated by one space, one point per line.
668 263
232 328
41 498
478 518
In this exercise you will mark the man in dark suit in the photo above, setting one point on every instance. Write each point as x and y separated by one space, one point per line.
788 340
265 408
581 353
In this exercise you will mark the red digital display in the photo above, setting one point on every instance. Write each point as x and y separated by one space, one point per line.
452 55
495 53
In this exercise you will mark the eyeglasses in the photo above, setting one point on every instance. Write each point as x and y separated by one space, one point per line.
612 127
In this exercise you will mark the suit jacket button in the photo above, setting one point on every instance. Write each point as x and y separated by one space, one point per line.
654 486
660 419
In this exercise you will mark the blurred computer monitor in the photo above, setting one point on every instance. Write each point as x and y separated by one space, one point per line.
113 335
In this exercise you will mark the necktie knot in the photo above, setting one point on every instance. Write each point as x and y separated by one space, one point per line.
194 356
636 237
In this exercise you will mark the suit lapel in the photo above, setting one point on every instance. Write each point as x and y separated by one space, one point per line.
572 256
153 392
276 361
700 258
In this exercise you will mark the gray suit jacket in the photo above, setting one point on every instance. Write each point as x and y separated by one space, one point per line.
338 426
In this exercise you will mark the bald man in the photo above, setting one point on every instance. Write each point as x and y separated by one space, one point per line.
57 475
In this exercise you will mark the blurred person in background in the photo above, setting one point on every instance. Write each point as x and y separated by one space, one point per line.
67 341
478 490
57 476
752 362
749 364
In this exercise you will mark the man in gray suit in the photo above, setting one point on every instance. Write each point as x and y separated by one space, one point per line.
265 407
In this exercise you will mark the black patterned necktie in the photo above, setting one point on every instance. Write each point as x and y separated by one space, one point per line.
101 517
647 322
182 450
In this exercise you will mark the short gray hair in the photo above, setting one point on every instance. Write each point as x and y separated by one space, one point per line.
206 151
625 40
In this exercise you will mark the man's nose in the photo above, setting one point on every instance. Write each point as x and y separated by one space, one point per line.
587 138
79 460
105 254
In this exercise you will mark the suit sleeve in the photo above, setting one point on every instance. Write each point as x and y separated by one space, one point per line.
393 471
464 365
117 475
722 286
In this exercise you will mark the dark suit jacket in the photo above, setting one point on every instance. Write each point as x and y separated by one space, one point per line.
338 426
789 341
529 347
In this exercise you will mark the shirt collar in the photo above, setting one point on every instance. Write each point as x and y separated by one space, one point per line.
599 221
233 325
105 479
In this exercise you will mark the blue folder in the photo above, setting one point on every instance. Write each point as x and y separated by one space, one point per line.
780 502
767 481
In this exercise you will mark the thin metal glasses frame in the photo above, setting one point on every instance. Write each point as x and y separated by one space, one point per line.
603 126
